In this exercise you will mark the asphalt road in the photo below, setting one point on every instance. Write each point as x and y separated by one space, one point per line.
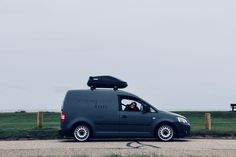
188 147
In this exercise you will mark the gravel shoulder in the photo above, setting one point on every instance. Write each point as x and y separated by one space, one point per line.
189 147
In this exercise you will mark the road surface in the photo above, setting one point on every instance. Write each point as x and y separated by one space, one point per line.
188 147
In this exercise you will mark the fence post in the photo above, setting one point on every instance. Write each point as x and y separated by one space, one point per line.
40 120
208 121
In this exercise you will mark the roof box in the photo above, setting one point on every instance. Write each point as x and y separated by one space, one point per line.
106 82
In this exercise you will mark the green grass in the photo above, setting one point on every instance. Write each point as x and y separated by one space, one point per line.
223 123
24 125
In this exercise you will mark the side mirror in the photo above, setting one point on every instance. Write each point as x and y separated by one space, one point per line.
146 109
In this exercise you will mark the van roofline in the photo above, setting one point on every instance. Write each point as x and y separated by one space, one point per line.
118 92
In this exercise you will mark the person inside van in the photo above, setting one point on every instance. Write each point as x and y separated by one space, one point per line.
132 107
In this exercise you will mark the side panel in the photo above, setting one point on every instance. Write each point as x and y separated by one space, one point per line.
98 108
106 118
78 108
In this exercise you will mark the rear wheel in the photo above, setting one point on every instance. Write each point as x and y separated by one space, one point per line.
82 133
165 133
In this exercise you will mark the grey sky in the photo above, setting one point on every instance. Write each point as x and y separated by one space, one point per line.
178 55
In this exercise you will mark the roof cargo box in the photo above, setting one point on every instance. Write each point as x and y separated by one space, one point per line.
105 82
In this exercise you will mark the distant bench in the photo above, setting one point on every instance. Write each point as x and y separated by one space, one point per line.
233 106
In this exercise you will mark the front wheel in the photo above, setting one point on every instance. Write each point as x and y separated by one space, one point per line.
81 133
165 133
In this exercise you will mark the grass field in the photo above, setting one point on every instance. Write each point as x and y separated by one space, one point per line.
223 123
24 125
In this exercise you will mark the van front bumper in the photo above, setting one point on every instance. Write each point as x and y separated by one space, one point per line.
182 130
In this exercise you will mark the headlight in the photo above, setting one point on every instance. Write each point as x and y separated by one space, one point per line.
182 120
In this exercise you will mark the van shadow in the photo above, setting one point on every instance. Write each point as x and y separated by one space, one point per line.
123 140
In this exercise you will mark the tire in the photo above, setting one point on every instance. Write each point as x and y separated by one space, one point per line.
165 133
82 133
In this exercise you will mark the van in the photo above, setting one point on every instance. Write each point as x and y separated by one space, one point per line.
106 113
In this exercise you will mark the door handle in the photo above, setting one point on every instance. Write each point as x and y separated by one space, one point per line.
123 116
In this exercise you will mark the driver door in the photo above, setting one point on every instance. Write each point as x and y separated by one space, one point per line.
134 123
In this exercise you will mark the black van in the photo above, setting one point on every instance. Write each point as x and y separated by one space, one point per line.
116 113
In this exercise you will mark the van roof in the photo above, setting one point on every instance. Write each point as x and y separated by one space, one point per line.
103 91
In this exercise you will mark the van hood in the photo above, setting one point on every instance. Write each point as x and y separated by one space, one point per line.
172 114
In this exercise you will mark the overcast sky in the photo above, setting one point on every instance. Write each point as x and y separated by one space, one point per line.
177 55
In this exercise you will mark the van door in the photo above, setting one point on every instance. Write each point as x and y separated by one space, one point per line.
134 122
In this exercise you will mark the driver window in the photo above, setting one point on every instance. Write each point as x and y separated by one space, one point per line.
131 105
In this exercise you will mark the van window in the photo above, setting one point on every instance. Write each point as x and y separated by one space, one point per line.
152 110
133 104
